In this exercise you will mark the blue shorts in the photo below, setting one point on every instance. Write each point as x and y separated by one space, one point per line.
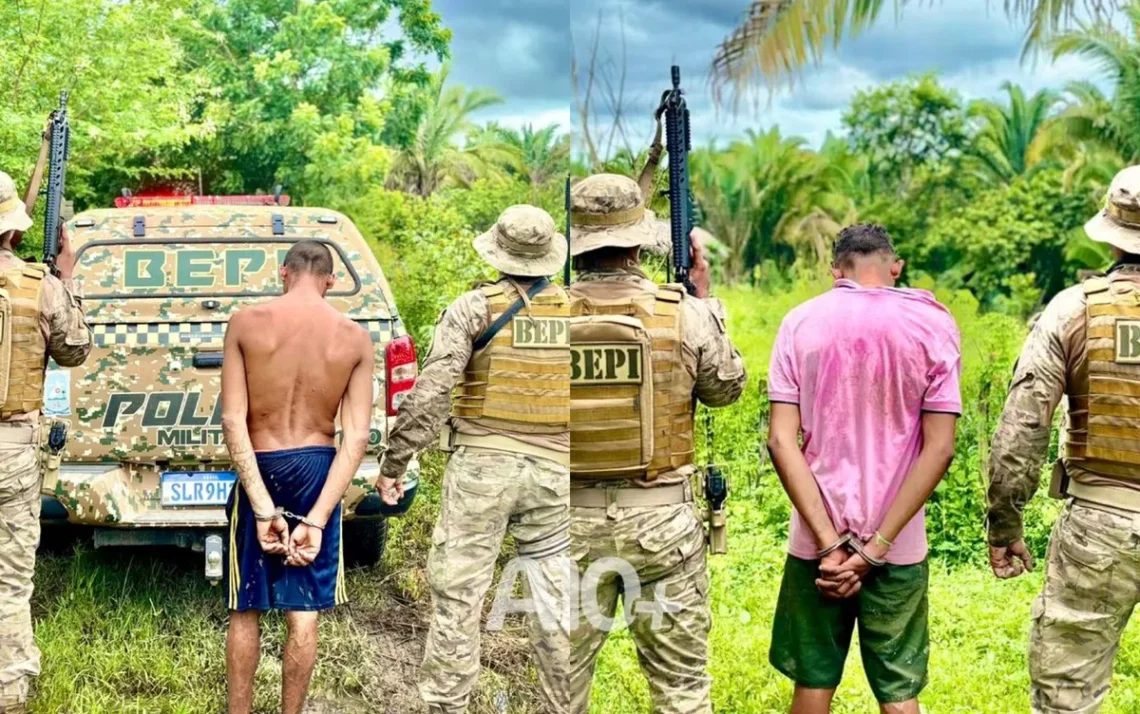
260 581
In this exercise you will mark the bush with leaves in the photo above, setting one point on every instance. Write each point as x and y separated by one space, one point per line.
1005 234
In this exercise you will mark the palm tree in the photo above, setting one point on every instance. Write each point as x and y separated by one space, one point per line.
768 192
434 158
1013 140
1091 116
777 38
544 153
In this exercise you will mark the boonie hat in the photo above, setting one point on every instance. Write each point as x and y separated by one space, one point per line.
608 210
1118 223
523 242
13 214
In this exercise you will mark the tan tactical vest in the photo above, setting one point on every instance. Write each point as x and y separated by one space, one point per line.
520 382
631 399
22 346
1104 435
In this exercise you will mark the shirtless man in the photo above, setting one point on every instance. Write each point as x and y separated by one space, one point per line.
289 365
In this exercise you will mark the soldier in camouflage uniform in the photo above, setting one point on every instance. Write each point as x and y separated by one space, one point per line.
503 349
1085 347
640 353
45 318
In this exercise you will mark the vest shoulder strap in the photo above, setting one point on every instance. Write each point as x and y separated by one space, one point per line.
35 270
493 329
1095 285
671 292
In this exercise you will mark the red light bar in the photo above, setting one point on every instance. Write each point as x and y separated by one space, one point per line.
151 201
263 200
157 201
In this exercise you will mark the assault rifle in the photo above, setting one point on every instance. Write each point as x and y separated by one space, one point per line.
59 150
682 215
678 142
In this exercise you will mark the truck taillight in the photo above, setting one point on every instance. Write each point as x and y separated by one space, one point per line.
400 370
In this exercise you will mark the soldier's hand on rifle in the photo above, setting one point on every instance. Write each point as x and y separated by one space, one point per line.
65 260
1012 560
699 274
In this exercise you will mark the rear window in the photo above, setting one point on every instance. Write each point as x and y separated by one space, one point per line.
220 267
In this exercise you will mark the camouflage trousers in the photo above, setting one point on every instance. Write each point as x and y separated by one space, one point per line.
665 545
1092 584
19 535
486 495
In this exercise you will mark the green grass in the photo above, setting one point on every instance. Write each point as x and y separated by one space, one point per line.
979 630
138 631
979 625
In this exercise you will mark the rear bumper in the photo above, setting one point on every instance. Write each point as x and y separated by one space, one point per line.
129 496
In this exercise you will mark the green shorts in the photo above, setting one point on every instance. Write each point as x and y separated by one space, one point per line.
811 634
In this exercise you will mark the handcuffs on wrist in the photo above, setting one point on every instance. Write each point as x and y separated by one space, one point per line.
847 540
843 540
280 512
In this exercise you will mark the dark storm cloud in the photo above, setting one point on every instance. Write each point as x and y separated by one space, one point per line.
523 49
972 47
519 48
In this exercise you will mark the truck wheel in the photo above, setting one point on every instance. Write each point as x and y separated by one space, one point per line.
364 542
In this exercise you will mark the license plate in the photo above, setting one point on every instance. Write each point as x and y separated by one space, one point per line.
197 488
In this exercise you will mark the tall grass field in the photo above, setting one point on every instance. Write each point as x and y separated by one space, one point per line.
139 632
979 625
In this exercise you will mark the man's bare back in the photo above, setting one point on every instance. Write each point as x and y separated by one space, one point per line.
289 366
299 354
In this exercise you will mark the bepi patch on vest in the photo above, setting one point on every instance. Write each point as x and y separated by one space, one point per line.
540 332
1127 341
606 364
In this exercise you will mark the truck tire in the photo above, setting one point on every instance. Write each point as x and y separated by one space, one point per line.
364 542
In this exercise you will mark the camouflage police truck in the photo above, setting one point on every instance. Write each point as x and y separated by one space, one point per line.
145 462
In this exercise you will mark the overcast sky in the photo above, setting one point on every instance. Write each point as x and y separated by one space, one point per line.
522 49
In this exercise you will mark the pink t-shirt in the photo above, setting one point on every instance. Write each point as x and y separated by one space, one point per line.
863 364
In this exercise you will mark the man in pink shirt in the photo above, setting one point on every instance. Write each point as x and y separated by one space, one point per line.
869 374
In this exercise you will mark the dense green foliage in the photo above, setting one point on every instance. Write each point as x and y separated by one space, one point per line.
988 196
331 98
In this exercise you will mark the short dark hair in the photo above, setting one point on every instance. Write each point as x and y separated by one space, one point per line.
309 256
861 239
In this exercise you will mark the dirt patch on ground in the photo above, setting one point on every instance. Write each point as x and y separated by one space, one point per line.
396 633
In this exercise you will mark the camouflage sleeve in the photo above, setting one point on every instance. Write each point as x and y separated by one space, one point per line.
69 337
1022 437
719 369
427 405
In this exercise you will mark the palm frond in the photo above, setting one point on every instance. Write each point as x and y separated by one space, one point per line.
776 39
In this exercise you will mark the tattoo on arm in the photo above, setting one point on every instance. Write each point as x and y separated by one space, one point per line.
245 463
